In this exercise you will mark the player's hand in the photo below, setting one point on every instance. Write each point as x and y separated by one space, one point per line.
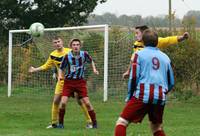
126 74
186 35
96 72
31 69
60 77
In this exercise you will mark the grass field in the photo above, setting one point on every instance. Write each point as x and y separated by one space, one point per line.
28 115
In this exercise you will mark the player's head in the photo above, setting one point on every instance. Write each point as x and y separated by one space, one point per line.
57 42
150 38
75 45
138 32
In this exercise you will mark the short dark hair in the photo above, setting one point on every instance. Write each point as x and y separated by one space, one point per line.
74 40
150 38
142 27
56 37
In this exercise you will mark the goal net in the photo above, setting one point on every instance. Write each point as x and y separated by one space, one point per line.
111 58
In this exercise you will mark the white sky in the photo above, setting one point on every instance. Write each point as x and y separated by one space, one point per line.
147 7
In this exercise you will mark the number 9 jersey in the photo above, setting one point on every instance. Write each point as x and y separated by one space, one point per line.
151 76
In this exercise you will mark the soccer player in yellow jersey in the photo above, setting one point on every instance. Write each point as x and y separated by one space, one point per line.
54 60
162 42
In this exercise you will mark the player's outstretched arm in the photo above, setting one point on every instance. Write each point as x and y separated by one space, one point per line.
171 40
33 69
47 65
94 68
183 37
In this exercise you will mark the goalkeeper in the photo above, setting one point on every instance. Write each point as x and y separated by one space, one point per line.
139 45
54 60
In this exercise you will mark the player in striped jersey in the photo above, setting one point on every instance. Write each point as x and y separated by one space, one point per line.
54 60
72 69
139 45
151 79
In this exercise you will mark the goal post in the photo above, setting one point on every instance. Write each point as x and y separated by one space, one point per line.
27 38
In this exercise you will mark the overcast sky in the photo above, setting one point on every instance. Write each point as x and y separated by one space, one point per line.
147 7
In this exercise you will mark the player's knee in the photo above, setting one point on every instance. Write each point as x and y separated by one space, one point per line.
88 105
122 121
56 101
62 105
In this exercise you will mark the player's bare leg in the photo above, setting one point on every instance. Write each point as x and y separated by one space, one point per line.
157 129
91 111
55 111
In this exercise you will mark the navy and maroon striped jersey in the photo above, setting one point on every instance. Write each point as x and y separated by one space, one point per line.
74 66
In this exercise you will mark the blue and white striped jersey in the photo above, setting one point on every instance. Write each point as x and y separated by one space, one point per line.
151 76
74 66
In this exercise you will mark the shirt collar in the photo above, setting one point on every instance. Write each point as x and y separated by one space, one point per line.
71 54
150 47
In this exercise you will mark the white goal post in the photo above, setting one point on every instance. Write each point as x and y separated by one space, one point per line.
105 54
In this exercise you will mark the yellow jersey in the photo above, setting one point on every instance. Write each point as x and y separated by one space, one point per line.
162 42
55 59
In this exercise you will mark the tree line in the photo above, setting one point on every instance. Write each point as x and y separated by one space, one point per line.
152 21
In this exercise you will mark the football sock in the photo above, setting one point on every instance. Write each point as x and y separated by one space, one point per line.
54 113
85 111
61 116
159 133
93 116
120 130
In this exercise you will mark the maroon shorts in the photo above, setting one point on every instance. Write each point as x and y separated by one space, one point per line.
79 86
135 110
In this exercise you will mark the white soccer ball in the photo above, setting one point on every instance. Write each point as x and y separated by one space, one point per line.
36 29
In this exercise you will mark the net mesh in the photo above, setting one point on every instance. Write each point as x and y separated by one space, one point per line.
28 51
34 52
119 58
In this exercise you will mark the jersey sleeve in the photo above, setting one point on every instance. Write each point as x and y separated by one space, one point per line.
137 46
132 57
48 64
88 58
170 78
164 42
64 62
135 72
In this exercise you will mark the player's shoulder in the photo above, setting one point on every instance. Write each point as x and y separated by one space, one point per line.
148 51
53 52
164 54
83 52
67 50
137 43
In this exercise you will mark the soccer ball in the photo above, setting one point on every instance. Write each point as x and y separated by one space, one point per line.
36 29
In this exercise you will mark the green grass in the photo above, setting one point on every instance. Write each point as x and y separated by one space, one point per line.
28 115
